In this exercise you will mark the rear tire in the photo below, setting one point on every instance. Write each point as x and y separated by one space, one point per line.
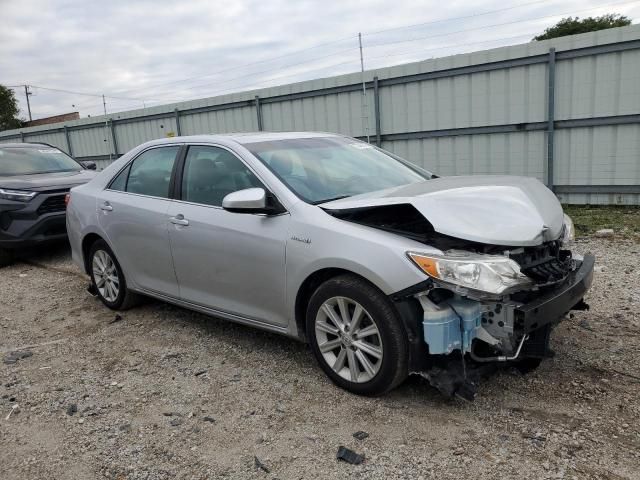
6 257
108 279
357 336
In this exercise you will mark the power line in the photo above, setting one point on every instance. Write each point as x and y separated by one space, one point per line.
395 42
377 32
375 45
269 70
240 66
497 25
442 47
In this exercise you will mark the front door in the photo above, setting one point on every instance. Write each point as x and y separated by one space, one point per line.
231 262
133 212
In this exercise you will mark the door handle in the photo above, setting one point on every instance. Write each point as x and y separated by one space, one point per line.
106 206
179 220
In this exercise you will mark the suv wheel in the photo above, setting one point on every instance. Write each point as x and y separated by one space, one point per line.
6 257
108 279
356 336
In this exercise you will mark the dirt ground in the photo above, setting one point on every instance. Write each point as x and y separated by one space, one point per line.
165 393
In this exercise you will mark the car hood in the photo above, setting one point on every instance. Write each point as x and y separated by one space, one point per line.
47 181
495 210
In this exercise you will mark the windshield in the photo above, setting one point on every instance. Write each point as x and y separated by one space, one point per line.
322 169
29 161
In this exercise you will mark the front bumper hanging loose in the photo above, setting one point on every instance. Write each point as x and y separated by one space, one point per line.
552 306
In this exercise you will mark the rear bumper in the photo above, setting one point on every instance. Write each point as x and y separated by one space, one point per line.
553 305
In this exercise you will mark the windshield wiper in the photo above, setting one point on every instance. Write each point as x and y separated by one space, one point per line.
340 197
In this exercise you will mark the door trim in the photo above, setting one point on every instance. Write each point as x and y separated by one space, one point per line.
233 317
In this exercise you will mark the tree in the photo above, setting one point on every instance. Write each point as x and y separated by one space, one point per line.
8 109
573 26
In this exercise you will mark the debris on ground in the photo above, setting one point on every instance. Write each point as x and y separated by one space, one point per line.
13 357
349 456
605 233
72 409
15 408
360 435
260 466
117 318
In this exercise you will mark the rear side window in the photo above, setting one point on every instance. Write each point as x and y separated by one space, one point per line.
149 174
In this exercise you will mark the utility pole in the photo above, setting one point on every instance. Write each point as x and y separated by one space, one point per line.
106 126
26 94
365 107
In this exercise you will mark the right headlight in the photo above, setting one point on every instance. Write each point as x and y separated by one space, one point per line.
486 273
568 232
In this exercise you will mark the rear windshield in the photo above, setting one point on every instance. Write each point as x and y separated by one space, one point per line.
29 161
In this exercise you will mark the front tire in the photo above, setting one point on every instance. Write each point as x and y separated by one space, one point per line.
108 279
357 336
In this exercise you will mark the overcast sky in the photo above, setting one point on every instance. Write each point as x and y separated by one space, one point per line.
148 52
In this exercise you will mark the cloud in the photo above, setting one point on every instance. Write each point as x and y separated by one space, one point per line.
148 52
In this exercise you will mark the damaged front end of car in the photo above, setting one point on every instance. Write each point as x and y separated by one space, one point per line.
482 306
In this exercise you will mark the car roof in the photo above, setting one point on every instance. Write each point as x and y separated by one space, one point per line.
27 145
242 138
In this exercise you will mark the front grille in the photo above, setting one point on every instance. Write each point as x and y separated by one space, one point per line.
544 264
52 204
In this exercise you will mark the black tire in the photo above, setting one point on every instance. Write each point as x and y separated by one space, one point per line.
125 298
393 367
6 257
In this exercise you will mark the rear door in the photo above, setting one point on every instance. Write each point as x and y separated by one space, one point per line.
133 214
230 262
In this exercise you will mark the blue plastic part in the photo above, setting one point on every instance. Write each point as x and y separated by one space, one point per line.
452 326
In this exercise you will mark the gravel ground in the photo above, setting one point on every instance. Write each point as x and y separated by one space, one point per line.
165 393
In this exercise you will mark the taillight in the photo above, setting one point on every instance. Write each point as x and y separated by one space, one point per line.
67 198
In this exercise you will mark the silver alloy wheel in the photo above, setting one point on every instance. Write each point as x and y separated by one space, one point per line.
349 339
105 275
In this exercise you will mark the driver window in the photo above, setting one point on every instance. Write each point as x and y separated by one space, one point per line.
211 173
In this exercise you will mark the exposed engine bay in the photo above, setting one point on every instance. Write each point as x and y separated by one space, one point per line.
467 331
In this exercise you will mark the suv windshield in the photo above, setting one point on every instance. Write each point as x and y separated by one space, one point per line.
322 169
32 160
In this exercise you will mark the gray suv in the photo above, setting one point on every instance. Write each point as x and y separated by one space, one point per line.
382 267
34 179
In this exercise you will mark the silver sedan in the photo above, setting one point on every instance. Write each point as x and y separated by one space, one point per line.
384 268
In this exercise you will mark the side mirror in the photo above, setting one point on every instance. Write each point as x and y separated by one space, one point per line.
90 165
252 200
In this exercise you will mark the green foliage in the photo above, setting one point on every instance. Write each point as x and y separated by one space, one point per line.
573 26
8 110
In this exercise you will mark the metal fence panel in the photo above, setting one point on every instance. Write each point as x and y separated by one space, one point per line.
512 154
598 155
243 119
130 135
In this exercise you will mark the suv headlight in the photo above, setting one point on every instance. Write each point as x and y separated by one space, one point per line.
485 273
16 195
568 232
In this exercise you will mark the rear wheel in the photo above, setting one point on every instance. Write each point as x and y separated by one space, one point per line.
107 278
357 336
6 257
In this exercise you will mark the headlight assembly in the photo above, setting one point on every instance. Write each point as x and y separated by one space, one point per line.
16 195
568 232
485 273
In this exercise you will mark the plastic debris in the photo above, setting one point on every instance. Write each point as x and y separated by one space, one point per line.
349 456
360 435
